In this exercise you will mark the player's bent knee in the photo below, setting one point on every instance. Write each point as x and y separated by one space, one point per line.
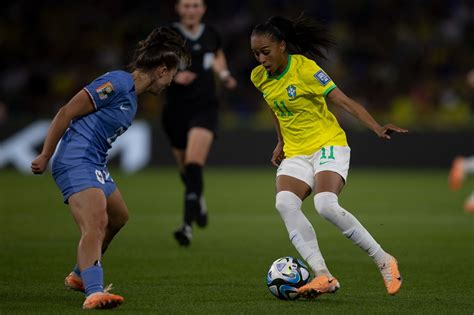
326 204
97 231
95 224
287 202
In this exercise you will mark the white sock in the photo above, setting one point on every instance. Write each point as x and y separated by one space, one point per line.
301 231
469 165
328 207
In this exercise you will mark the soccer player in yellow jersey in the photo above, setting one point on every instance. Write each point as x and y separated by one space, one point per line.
312 153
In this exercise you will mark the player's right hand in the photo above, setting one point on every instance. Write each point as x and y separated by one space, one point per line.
278 154
39 164
230 82
385 131
184 77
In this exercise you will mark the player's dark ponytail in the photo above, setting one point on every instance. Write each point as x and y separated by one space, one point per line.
302 35
163 46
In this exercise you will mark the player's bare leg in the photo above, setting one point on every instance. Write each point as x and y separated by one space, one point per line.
117 212
179 157
89 209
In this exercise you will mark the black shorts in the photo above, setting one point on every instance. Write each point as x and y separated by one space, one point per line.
177 124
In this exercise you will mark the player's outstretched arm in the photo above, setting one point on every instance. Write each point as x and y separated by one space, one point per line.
79 105
338 97
220 68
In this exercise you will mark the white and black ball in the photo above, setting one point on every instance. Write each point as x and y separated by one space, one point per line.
285 276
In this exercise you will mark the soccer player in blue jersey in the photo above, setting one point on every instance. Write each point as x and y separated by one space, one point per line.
87 126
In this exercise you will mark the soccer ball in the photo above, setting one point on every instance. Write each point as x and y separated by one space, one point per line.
285 276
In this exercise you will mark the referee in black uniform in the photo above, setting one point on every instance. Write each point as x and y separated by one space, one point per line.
190 112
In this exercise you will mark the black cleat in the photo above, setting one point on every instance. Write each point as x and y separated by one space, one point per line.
202 218
184 235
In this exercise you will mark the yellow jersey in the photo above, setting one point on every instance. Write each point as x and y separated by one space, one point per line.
297 97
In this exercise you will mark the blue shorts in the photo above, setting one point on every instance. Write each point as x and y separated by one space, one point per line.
73 179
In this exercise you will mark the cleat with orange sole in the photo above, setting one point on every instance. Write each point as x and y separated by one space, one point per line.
318 286
102 300
391 276
469 204
456 174
74 282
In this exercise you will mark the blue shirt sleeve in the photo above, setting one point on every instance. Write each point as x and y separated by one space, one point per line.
103 90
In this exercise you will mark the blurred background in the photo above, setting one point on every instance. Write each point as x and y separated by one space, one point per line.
408 62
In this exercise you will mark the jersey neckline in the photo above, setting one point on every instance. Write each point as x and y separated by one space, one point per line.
278 77
188 34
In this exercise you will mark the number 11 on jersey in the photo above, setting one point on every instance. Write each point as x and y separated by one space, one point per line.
282 109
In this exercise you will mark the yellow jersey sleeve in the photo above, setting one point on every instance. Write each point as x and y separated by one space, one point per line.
316 79
257 76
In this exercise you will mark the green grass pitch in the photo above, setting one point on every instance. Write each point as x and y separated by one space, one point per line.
412 214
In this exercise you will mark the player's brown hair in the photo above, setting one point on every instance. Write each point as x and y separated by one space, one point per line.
163 46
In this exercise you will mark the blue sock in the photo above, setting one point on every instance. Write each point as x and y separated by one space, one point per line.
76 270
93 279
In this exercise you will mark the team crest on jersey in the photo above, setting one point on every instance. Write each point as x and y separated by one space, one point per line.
291 90
105 90
322 77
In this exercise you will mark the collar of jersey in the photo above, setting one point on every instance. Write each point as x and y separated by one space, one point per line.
278 77
188 34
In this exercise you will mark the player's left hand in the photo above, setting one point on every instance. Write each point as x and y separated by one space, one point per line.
384 132
230 82
39 164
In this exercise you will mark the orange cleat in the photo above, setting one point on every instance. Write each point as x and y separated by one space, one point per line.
318 286
74 282
391 276
469 204
102 300
456 174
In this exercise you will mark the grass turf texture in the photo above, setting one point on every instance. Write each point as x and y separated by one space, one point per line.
411 213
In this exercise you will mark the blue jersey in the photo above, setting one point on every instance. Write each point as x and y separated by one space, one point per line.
90 137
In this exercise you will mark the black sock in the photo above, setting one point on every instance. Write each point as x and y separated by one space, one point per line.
194 186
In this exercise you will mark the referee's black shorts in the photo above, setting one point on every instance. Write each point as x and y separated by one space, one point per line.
177 124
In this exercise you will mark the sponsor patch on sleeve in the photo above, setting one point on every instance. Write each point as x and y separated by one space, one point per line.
105 90
322 77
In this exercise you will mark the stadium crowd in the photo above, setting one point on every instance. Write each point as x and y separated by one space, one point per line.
406 61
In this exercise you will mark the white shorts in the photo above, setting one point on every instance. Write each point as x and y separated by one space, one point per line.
304 167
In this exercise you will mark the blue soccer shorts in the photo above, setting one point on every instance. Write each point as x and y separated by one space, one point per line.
73 179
